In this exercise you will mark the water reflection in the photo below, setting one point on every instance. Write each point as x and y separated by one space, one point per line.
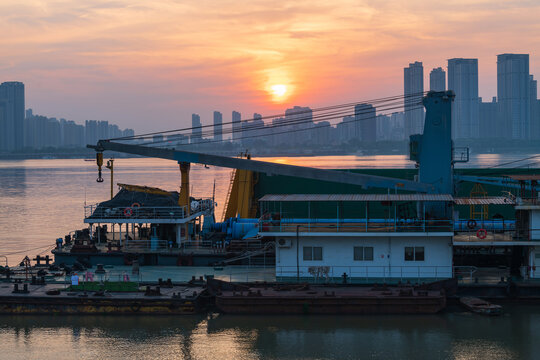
12 182
451 335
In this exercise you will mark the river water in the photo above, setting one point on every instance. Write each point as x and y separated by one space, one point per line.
451 335
41 200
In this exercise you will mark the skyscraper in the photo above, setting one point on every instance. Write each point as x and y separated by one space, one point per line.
534 110
91 133
513 94
487 120
251 130
103 130
346 129
301 119
366 122
236 125
11 116
463 80
196 129
218 126
414 89
437 79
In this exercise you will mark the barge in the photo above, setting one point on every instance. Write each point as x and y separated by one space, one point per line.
408 230
50 299
330 300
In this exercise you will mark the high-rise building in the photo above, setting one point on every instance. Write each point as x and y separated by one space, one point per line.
103 130
196 129
437 79
366 122
300 118
534 110
218 126
346 129
487 113
128 133
278 136
91 132
321 132
463 80
72 134
236 125
397 121
384 128
414 89
253 129
513 94
42 132
11 116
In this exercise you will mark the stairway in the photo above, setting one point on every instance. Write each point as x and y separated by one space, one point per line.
228 198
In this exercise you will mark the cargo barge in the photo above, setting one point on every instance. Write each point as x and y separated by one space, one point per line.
408 230
330 300
50 299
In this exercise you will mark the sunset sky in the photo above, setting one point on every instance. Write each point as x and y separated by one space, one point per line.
149 64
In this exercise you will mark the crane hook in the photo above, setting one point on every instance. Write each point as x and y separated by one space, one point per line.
99 161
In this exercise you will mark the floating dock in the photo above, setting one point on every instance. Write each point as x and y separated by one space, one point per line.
52 299
305 299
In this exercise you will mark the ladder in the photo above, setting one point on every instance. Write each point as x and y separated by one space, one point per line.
228 198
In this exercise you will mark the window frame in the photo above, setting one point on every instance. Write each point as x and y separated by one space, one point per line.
414 252
362 251
312 252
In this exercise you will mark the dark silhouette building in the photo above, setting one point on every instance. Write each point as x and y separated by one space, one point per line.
11 116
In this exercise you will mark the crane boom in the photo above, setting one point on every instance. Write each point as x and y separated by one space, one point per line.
366 181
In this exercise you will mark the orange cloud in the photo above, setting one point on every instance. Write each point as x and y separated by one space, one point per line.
128 61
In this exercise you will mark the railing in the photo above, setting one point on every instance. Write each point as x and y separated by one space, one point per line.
363 273
245 244
101 212
528 201
365 226
460 154
496 235
465 272
146 212
146 245
204 244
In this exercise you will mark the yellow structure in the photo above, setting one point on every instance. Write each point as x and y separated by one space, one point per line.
183 199
110 166
478 211
99 161
240 196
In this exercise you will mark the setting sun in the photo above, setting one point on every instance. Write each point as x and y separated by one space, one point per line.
279 90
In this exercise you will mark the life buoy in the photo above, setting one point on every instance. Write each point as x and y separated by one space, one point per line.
135 205
481 233
471 224
128 211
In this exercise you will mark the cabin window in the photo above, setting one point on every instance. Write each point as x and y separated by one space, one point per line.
419 253
312 253
414 253
363 253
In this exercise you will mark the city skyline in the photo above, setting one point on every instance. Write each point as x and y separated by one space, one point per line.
514 112
128 62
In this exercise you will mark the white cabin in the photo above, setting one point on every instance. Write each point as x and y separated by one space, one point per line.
390 249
